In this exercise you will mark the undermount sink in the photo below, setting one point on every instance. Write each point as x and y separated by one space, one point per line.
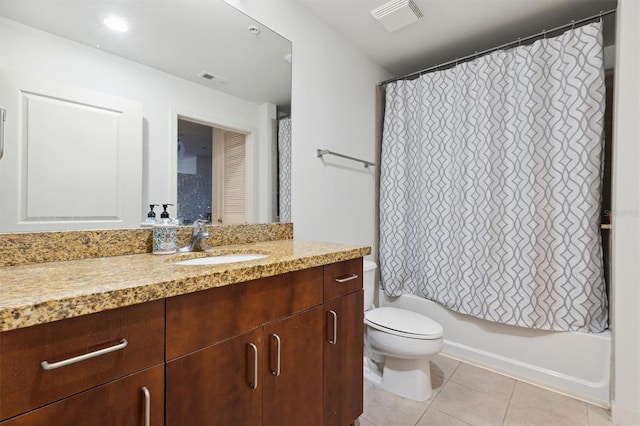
223 258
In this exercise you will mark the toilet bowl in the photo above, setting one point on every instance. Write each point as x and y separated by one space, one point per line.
398 345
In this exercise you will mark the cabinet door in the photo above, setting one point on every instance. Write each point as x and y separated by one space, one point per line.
343 346
292 392
217 385
137 400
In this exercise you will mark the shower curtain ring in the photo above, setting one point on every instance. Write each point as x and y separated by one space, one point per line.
573 24
544 34
519 41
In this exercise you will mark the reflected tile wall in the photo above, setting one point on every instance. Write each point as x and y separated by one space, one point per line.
194 192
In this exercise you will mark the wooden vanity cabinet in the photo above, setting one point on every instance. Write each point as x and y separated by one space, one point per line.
240 381
32 360
280 350
343 343
223 346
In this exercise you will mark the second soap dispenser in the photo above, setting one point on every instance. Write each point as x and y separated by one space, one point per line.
164 233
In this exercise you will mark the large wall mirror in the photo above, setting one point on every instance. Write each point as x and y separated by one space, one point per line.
115 105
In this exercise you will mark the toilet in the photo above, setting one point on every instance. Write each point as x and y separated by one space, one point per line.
398 345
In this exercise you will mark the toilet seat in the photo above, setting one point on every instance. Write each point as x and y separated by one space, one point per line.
404 323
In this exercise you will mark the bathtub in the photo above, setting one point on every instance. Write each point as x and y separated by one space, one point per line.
576 364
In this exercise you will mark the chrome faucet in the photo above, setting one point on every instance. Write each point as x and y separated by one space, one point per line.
198 236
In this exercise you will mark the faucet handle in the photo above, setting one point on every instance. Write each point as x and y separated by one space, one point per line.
199 225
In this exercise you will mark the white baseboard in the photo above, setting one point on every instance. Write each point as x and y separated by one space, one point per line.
622 416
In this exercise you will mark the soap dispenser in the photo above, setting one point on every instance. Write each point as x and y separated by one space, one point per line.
164 233
151 217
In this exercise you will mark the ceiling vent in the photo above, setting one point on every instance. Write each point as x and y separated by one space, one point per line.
397 14
212 77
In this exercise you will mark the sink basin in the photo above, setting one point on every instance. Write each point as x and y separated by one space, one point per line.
223 258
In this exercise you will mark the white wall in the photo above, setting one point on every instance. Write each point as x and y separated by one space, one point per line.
162 95
626 219
333 107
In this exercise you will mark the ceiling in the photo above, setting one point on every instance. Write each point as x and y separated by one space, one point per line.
449 28
180 37
185 37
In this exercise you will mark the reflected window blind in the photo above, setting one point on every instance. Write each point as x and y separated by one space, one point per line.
234 178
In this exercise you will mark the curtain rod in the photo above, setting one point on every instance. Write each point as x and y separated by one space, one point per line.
502 46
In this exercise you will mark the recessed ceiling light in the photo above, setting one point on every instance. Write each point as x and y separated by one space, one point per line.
116 23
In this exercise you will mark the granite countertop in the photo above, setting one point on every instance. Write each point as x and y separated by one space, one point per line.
45 292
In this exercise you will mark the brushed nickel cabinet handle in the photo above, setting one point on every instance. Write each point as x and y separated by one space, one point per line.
335 327
254 351
147 406
276 372
347 278
46 366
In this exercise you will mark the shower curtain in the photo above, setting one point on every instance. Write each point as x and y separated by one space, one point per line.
284 169
490 185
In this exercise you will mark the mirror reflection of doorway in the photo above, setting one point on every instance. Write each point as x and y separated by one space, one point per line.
211 174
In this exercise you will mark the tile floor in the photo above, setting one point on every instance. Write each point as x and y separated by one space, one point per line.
467 395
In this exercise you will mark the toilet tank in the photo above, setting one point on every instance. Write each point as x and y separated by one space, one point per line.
369 283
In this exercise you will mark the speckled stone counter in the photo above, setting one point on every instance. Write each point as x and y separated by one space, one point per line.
44 292
38 247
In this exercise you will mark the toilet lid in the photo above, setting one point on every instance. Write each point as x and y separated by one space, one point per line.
404 322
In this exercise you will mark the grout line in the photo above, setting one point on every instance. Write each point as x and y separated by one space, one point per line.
513 389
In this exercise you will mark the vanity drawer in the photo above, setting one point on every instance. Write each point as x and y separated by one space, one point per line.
200 319
126 401
342 278
116 343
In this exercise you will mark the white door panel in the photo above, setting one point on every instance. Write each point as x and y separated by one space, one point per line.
73 157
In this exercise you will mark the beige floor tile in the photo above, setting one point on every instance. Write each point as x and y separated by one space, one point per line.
484 381
471 406
598 416
443 366
386 409
527 416
468 395
539 404
367 385
434 417
364 422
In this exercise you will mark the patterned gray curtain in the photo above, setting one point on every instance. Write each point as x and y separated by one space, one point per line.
490 185
284 169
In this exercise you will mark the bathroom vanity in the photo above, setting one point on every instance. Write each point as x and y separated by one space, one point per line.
139 340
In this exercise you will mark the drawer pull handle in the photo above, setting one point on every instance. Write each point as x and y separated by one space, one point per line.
335 327
347 278
254 351
147 406
46 366
276 372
